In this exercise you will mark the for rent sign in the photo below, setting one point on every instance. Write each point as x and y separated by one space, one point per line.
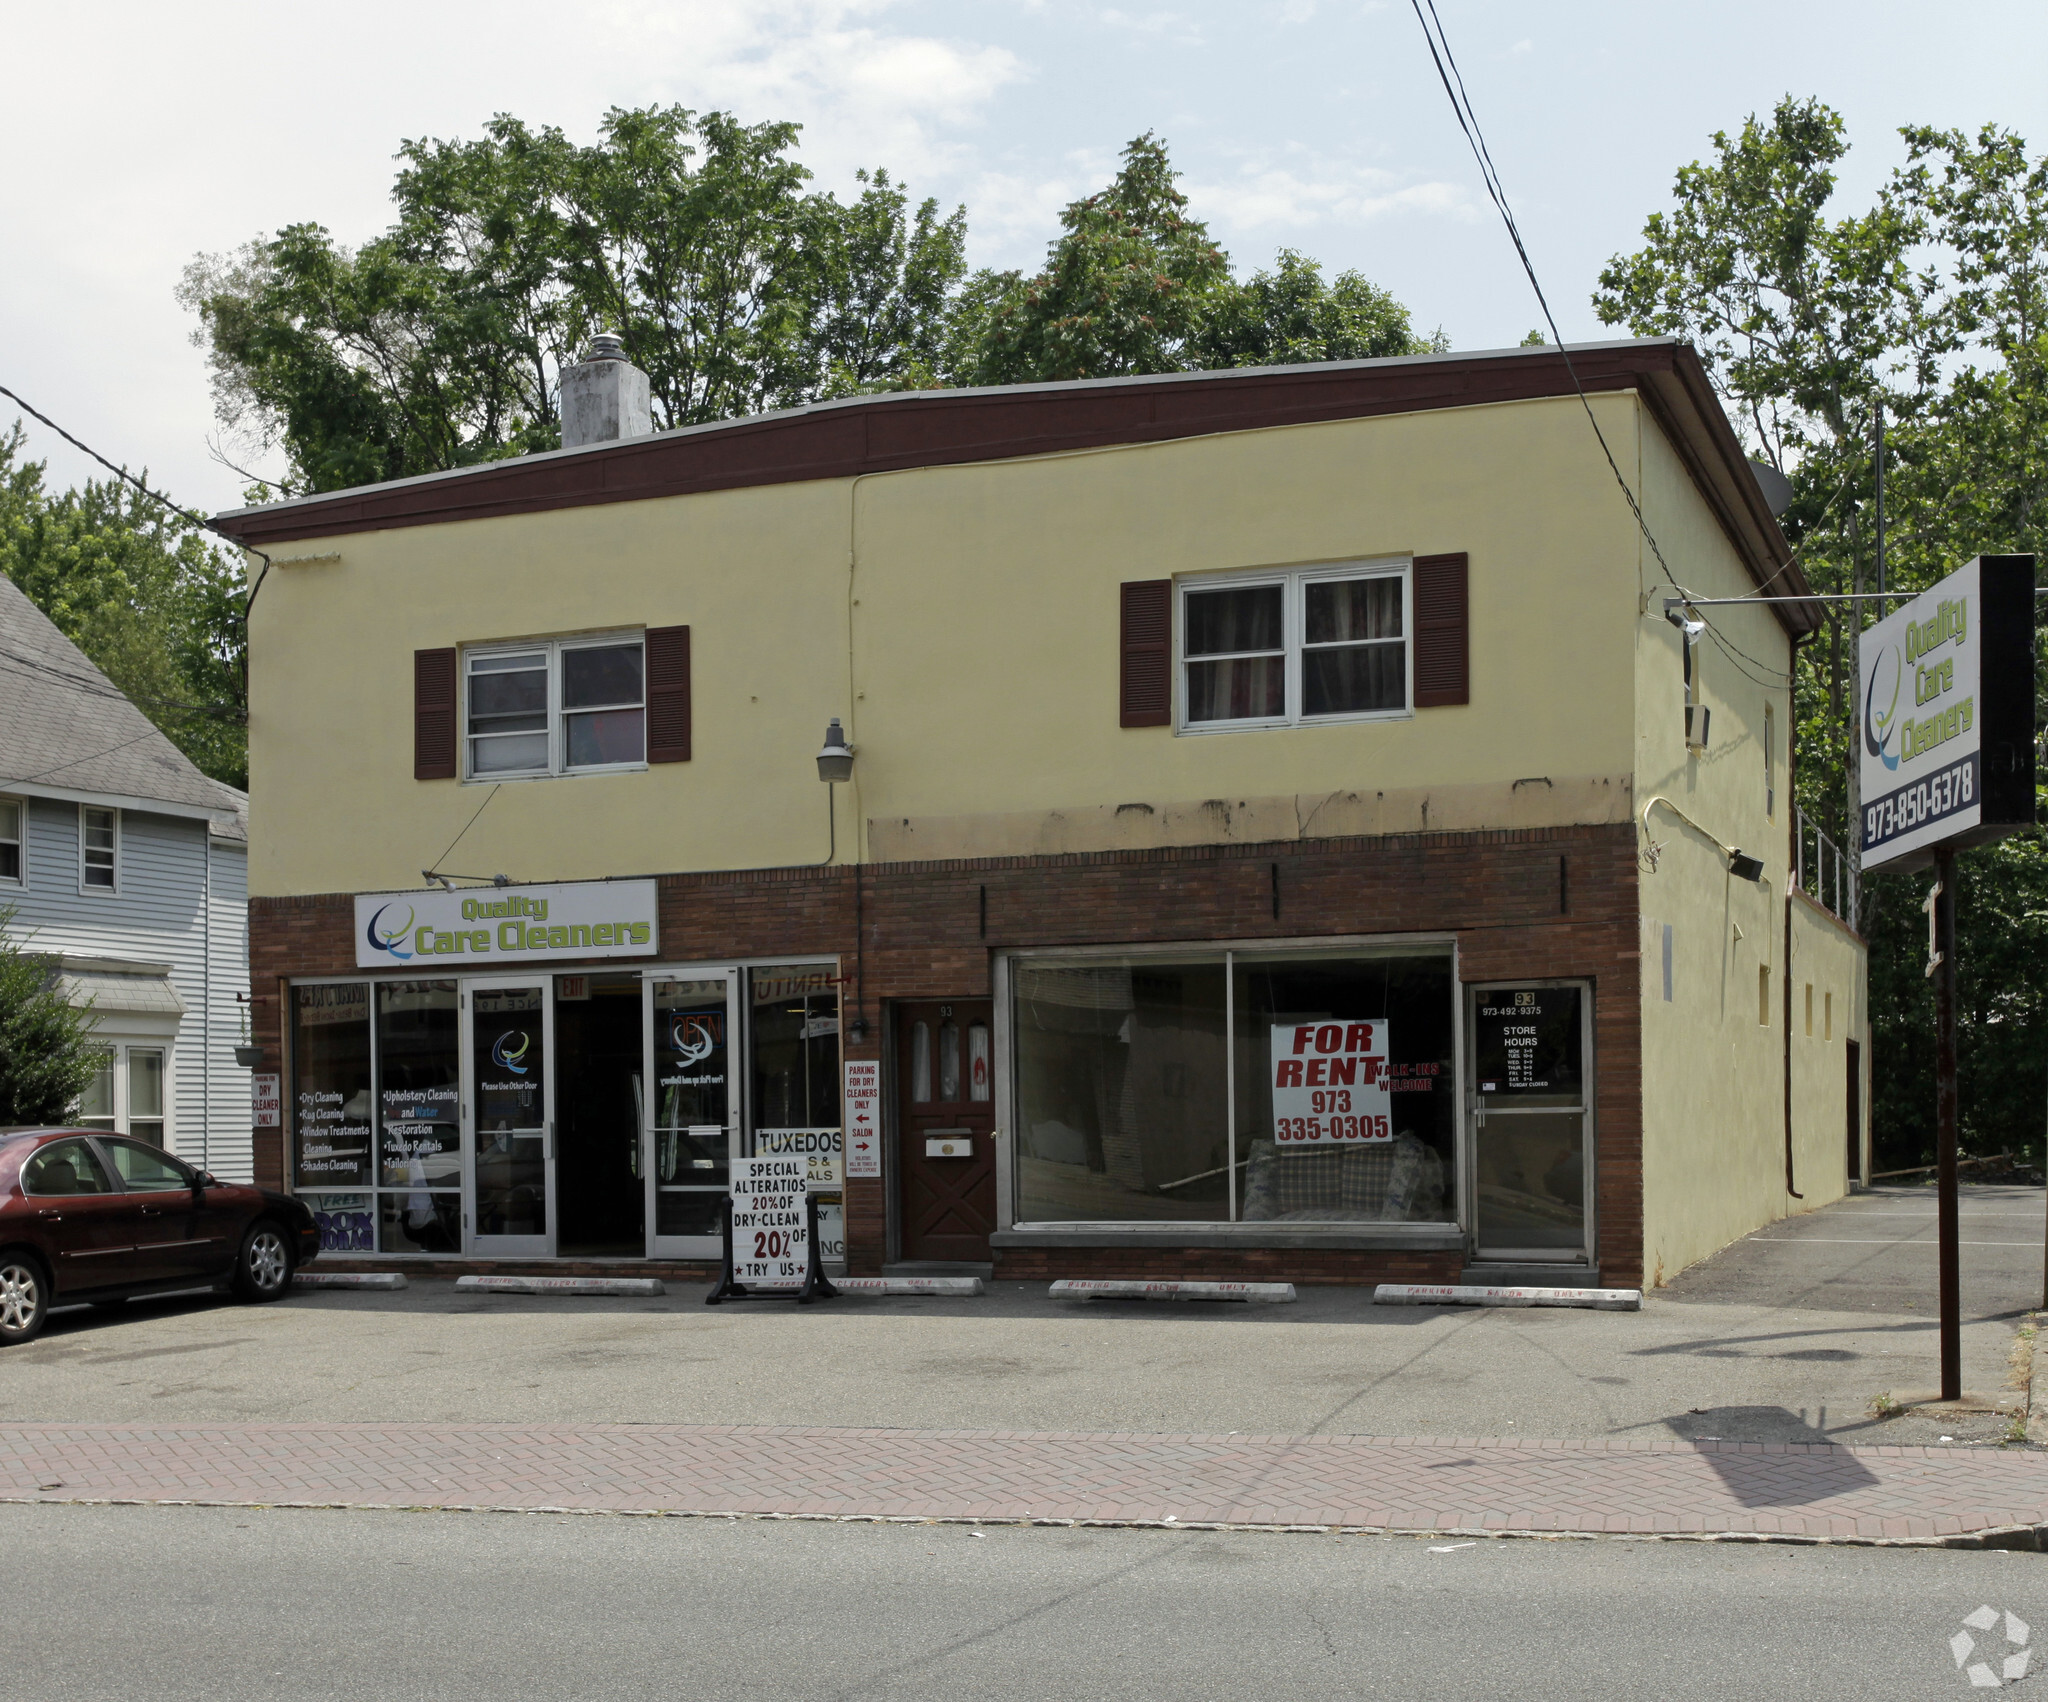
1329 1082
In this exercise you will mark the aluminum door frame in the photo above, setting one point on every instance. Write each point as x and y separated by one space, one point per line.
1476 1113
661 1246
473 1241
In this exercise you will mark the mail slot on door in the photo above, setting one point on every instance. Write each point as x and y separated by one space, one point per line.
949 1143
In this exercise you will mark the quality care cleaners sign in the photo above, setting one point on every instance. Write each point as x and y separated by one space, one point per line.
506 924
1945 687
1330 1082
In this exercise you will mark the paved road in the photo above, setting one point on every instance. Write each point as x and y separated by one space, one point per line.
1784 1337
229 1606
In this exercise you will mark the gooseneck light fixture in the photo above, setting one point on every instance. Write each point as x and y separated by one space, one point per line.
835 764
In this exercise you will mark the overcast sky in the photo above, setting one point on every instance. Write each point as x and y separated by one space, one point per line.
136 135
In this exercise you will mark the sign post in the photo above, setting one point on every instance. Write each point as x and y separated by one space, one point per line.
1945 686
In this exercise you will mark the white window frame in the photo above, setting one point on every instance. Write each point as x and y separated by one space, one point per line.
551 649
120 1063
1294 599
93 887
20 845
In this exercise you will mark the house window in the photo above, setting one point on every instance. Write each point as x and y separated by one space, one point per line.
1322 644
99 838
96 1103
562 707
11 824
146 1094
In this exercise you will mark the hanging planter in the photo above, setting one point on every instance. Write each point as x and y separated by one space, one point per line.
248 1056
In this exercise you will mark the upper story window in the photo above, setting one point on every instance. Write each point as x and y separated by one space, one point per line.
558 707
13 831
99 849
1283 649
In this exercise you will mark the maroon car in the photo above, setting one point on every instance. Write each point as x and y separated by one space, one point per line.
90 1216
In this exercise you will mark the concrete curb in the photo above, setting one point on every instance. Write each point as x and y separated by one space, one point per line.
1112 1288
350 1279
954 1287
2027 1539
1450 1294
560 1285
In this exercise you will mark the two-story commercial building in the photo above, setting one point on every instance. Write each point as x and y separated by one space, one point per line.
1280 832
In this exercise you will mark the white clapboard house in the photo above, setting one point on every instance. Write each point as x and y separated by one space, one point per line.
129 868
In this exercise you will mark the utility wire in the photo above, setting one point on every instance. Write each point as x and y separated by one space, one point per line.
158 497
1468 121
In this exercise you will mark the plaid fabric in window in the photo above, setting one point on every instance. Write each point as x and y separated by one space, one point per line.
1310 1179
1367 1170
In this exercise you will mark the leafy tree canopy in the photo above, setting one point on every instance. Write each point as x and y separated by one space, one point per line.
734 284
152 601
1930 304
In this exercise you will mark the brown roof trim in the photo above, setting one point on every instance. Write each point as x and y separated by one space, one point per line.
932 428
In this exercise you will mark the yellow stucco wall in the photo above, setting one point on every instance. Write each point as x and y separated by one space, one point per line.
1714 1050
963 621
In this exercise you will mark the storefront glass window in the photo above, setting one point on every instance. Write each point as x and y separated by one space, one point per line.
796 1046
510 1065
1346 1088
1345 1106
331 1110
1121 1103
419 1132
692 1099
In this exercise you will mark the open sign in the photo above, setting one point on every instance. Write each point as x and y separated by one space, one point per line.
1329 1082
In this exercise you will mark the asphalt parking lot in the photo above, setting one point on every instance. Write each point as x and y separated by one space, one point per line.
1788 1335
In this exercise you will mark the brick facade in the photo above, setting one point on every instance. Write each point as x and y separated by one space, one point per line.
1552 902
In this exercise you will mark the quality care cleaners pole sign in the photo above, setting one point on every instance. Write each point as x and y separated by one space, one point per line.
505 924
770 1239
1330 1083
1945 686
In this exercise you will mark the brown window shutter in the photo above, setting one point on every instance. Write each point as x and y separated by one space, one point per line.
1443 631
668 694
433 715
1146 683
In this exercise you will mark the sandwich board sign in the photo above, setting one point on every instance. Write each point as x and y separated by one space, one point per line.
1945 693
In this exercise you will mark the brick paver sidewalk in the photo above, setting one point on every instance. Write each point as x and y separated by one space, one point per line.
1400 1484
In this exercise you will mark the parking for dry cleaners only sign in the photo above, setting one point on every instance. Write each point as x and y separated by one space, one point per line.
506 924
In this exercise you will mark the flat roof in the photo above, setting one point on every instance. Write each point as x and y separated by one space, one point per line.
900 430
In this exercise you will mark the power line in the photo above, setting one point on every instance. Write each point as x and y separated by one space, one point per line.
1468 121
158 497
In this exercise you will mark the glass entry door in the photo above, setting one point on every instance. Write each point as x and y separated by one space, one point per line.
508 1048
1532 1147
692 1117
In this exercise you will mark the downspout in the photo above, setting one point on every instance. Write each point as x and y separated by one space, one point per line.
1791 875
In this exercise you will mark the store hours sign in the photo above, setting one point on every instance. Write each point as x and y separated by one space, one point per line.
1329 1083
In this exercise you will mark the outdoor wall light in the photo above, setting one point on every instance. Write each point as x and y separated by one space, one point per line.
1744 867
835 761
1690 625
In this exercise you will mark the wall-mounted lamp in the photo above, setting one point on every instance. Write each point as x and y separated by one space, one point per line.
1744 867
835 760
1690 625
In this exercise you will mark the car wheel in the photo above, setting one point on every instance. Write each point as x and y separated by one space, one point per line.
263 1269
24 1299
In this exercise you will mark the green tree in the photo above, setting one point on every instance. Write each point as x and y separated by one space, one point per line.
153 602
1930 305
1289 315
440 343
47 1056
